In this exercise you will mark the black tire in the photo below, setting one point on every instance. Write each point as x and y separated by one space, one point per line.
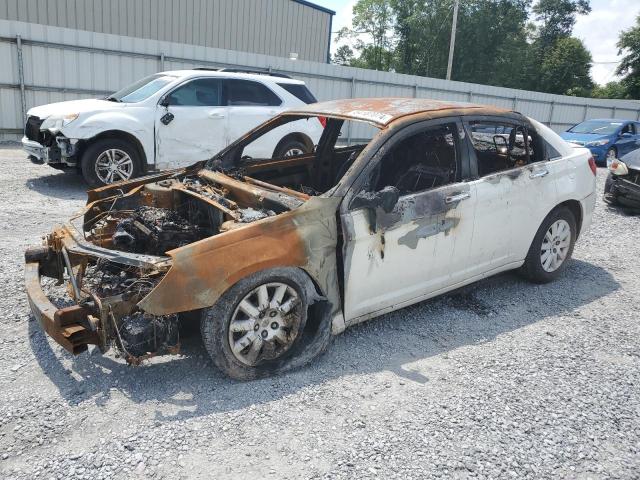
312 336
288 146
95 149
608 196
533 269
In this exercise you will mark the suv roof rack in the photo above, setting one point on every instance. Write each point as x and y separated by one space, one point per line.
248 70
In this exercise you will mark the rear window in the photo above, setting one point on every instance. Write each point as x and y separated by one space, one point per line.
245 93
301 92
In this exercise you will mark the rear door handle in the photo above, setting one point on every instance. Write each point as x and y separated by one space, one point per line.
216 115
458 197
539 173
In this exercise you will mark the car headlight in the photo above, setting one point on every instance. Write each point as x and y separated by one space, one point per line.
597 143
618 168
55 123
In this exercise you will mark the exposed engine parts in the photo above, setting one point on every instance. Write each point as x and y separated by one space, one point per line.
142 334
154 231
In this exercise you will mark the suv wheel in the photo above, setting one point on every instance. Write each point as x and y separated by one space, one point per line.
254 328
290 148
552 247
108 161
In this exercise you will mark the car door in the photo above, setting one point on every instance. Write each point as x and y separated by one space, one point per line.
626 139
514 191
251 103
190 123
397 256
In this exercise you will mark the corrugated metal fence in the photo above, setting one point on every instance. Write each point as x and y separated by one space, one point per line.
44 64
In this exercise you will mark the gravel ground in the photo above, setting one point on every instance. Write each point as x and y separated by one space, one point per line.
502 379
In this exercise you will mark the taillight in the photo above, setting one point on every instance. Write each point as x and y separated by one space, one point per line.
592 165
323 121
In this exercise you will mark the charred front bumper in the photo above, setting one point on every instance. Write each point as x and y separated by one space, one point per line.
96 312
623 189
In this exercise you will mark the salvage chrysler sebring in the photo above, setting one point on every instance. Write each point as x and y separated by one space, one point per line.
401 200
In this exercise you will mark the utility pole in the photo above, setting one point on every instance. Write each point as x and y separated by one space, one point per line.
452 42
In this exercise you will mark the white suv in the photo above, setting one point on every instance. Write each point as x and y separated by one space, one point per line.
166 120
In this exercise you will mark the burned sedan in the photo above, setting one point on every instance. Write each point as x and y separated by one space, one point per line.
622 187
401 200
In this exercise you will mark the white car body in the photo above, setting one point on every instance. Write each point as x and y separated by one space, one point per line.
194 133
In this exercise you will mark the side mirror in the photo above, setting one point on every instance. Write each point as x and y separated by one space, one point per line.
385 199
164 101
626 135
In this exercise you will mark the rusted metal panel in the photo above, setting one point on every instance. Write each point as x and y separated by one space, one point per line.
383 111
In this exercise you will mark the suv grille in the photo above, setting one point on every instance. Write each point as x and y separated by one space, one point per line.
32 129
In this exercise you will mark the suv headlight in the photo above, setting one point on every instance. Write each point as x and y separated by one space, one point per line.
597 143
618 168
55 123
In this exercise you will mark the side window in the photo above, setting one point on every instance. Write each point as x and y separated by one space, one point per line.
202 92
551 151
425 160
501 146
629 128
250 94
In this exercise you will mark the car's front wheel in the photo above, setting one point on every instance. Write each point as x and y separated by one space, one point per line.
254 328
552 247
108 161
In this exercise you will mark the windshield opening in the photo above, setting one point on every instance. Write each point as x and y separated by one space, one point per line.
312 170
142 89
596 127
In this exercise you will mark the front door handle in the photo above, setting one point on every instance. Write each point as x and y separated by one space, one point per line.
539 173
216 115
458 197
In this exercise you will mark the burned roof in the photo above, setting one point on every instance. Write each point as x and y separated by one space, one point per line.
383 111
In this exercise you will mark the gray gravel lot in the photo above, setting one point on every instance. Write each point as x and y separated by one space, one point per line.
503 379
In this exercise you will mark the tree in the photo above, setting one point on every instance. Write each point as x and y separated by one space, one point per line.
565 70
557 19
610 90
629 45
374 20
343 56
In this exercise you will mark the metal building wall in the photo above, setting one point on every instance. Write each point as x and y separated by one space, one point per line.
271 27
63 64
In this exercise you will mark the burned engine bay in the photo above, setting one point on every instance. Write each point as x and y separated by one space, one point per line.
138 227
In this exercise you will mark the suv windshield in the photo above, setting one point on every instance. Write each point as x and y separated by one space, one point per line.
142 89
596 127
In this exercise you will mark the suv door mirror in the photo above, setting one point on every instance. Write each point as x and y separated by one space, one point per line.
626 135
385 199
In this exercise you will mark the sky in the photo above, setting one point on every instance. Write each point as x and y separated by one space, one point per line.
599 30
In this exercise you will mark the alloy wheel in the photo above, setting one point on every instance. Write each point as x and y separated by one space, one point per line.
555 245
265 323
113 165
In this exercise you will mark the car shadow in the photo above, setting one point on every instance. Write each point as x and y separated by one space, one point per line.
62 184
188 385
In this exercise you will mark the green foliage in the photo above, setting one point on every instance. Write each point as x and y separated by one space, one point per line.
343 56
629 45
496 42
610 90
565 68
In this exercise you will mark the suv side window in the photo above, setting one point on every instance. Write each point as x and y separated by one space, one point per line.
202 92
425 160
501 146
248 93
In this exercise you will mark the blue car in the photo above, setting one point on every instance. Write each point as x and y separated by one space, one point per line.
607 138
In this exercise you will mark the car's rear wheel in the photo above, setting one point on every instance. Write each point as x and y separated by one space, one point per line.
108 161
552 247
253 329
290 148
